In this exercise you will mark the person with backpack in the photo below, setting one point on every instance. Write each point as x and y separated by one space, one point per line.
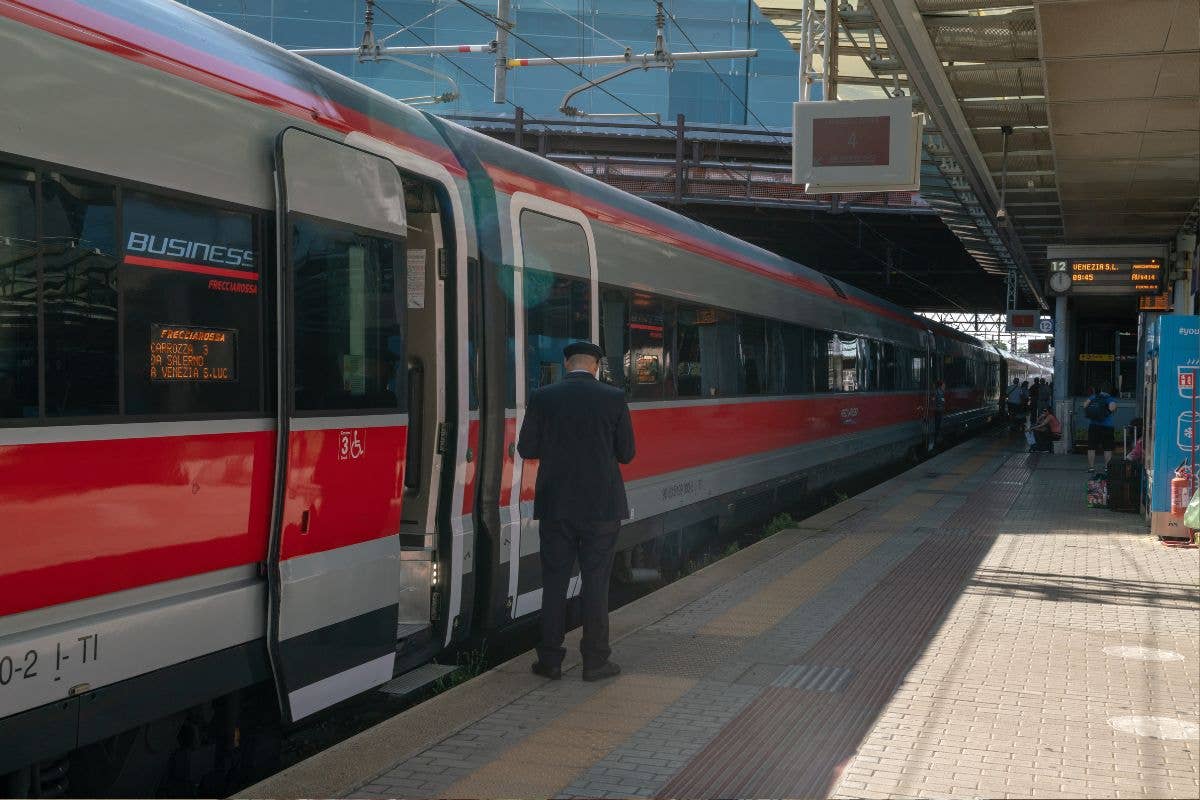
1100 411
1018 396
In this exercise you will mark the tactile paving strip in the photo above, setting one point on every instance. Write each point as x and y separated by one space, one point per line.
790 742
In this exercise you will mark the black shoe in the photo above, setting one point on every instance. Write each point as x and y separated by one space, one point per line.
606 670
553 673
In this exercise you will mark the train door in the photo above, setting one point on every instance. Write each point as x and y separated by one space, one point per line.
929 378
343 428
555 297
425 271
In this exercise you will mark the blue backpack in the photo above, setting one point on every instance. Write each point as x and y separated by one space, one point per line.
1097 408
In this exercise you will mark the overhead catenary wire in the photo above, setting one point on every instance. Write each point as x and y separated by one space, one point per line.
451 61
638 112
713 70
487 86
404 29
584 24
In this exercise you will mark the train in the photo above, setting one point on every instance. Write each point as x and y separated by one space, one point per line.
266 337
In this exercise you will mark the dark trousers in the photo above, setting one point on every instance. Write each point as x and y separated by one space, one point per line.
1044 439
937 424
592 543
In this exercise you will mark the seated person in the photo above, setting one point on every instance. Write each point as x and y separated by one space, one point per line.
1048 429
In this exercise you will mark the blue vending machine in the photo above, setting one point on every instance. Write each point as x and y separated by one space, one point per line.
1173 371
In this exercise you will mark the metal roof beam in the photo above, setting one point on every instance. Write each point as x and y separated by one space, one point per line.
908 37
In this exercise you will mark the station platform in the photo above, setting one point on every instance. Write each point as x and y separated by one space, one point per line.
969 628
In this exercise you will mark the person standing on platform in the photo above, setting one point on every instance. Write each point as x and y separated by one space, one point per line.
1034 398
580 431
1100 410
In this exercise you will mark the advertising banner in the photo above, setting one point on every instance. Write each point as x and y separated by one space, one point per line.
1175 414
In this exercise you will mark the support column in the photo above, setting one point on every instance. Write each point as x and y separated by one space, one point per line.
1182 297
1062 369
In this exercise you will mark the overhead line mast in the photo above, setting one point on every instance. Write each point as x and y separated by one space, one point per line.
661 58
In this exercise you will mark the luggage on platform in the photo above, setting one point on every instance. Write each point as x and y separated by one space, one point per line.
1124 485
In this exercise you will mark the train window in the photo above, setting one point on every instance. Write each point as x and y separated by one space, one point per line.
753 368
79 296
614 337
190 287
646 359
18 294
889 377
549 243
706 360
868 365
787 347
916 371
843 363
474 326
557 312
822 364
348 319
507 279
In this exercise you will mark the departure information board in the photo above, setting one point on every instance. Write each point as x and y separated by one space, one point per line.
192 354
1112 276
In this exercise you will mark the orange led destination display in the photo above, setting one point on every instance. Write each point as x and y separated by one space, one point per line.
1116 276
191 354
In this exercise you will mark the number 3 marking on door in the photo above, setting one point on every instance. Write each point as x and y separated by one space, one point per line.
350 445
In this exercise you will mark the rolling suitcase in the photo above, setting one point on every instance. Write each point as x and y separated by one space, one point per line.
1124 484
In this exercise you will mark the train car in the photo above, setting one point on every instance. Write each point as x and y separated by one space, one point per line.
266 337
1019 368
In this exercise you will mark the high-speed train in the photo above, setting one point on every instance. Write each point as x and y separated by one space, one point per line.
266 336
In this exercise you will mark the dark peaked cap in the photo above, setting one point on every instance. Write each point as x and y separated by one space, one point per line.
583 349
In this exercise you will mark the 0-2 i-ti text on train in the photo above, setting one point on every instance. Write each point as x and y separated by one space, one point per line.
265 340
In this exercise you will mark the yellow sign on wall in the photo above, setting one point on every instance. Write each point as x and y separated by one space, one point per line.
1096 357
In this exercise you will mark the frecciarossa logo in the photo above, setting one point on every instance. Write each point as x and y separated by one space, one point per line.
201 252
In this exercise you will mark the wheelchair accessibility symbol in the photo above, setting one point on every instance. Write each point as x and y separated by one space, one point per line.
350 445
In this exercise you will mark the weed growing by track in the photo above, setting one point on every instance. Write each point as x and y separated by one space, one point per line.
469 664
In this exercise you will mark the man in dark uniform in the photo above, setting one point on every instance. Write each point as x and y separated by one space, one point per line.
580 431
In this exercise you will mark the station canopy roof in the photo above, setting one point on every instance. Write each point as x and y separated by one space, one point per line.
1103 97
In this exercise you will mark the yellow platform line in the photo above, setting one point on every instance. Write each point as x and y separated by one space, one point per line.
770 604
548 760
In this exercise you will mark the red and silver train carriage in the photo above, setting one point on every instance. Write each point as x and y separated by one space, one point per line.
265 340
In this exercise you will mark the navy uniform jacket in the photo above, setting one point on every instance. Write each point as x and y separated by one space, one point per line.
580 431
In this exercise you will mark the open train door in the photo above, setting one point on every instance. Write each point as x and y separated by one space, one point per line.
556 295
335 549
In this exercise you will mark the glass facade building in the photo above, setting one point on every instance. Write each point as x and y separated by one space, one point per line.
737 92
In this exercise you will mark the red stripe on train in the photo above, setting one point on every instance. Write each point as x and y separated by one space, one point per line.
181 266
674 438
88 518
93 518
